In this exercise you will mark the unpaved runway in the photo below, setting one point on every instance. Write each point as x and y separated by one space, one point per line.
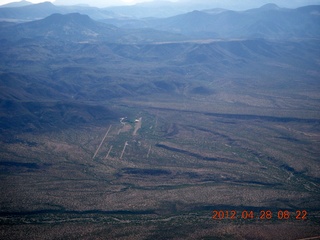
95 154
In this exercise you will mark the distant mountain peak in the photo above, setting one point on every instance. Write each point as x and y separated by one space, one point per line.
58 18
43 6
69 15
74 27
17 4
197 13
270 6
215 10
46 4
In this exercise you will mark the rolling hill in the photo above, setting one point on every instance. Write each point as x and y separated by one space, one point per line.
97 72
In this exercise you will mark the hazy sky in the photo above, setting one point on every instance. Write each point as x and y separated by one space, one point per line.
219 3
89 2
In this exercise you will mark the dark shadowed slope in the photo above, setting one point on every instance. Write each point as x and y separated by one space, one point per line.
98 72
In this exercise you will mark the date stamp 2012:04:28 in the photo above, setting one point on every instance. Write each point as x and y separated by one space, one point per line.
262 214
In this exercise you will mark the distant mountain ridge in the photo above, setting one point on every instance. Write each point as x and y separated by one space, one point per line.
17 4
64 60
78 27
268 21
45 9
29 12
163 9
72 26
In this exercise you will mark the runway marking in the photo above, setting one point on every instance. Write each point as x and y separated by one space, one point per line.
318 237
95 154
124 148
149 151
108 152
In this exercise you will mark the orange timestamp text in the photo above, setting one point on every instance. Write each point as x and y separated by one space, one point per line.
262 214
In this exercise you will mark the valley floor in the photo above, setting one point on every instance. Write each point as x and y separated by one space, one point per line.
160 173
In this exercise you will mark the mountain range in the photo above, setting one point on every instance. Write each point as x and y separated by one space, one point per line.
120 127
28 12
80 28
268 21
159 9
17 4
74 63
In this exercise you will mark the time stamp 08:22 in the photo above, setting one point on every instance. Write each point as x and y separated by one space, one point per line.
262 214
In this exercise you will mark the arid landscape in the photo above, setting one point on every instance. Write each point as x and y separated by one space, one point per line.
178 167
160 137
